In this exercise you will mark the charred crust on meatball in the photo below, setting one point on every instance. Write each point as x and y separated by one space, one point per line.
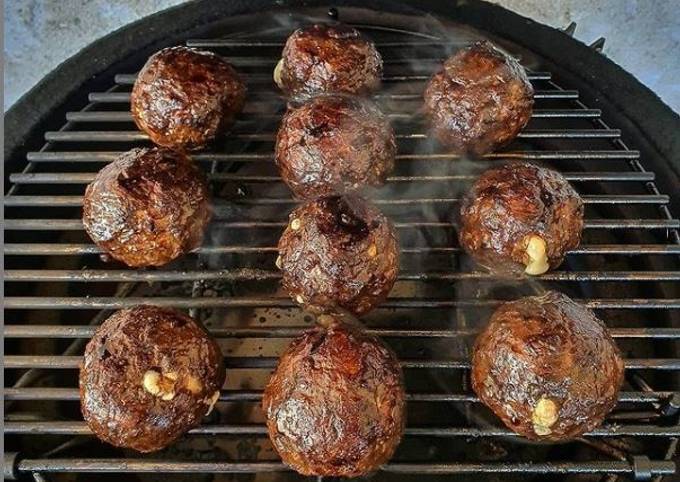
520 216
335 405
334 145
183 98
479 100
338 252
149 374
147 207
547 367
328 59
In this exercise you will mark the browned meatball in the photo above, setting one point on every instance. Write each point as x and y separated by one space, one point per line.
183 98
147 207
149 375
547 367
334 145
520 217
335 404
338 253
330 59
479 100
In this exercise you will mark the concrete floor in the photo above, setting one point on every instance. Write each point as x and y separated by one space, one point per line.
643 36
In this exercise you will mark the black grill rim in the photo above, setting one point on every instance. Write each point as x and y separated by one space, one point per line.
638 465
603 84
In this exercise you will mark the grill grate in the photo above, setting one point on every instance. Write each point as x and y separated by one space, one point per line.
626 269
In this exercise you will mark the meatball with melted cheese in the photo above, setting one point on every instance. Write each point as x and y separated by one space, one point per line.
520 217
338 253
547 367
149 375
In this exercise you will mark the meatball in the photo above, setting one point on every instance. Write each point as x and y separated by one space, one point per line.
335 404
149 374
547 367
334 145
520 217
479 100
338 253
330 59
183 98
147 207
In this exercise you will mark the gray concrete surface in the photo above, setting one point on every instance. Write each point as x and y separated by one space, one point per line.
643 36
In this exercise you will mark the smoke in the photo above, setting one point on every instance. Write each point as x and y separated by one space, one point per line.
419 199
422 158
426 182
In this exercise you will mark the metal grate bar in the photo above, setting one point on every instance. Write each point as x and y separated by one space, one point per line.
429 40
129 79
224 202
270 61
610 467
245 274
525 134
96 302
101 302
175 466
86 177
249 77
71 362
76 224
73 394
124 97
78 249
208 43
107 156
81 428
72 249
86 331
117 116
133 136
